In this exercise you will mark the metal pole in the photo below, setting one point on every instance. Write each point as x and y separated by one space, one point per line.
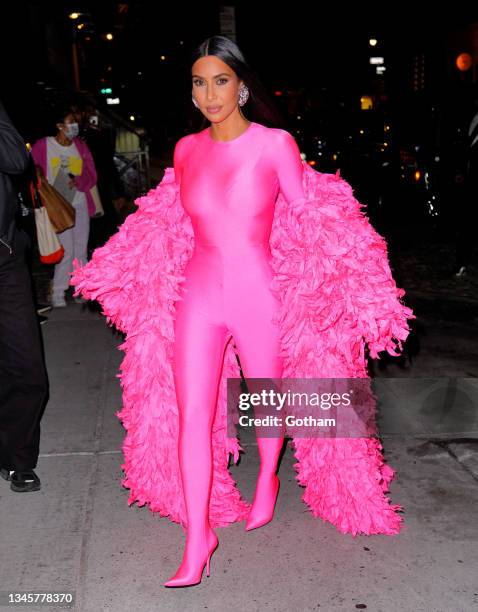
74 53
76 71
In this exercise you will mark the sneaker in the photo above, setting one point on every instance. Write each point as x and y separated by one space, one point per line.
58 301
21 481
4 473
42 319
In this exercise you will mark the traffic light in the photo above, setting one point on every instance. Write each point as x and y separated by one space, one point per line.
106 90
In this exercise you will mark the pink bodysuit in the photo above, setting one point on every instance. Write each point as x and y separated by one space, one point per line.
229 189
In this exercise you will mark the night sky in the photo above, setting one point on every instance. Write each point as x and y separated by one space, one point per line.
291 45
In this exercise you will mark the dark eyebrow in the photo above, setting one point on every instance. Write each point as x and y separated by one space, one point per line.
214 77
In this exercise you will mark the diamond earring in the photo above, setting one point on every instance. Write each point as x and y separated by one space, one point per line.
243 95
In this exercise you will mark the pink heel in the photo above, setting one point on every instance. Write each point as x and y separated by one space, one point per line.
265 512
191 577
209 559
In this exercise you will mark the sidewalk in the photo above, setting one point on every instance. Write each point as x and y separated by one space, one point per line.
78 533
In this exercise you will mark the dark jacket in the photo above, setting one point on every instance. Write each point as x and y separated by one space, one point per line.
14 160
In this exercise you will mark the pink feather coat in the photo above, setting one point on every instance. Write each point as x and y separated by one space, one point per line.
337 295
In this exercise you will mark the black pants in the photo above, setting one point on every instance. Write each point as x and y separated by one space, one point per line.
23 377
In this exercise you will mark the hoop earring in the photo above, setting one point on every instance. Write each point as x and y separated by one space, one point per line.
243 95
195 103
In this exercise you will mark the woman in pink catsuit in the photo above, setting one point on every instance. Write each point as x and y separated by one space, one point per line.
193 276
229 176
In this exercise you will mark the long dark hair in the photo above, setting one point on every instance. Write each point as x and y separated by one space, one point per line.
260 107
57 114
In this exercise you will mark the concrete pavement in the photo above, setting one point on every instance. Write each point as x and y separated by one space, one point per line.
78 533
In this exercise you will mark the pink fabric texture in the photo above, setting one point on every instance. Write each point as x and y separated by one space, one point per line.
337 295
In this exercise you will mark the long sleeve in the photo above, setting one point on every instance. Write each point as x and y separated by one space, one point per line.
38 152
289 166
88 177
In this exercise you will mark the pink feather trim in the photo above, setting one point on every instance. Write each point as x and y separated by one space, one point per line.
337 294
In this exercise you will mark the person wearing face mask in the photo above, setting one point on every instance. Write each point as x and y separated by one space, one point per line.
66 153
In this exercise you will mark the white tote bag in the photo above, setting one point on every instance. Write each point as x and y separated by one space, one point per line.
51 251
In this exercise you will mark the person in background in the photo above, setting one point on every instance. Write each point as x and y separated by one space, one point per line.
26 221
23 376
66 153
100 141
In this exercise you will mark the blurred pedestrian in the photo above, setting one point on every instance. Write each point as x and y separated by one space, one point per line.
100 140
26 221
66 162
23 377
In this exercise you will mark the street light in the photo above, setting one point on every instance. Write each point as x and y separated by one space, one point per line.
76 27
464 62
74 50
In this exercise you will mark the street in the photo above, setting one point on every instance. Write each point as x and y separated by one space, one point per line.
117 557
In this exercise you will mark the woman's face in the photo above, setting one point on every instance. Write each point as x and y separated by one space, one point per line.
215 86
66 126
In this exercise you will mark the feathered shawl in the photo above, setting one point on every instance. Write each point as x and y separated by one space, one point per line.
337 294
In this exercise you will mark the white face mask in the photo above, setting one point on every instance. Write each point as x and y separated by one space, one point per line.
72 130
